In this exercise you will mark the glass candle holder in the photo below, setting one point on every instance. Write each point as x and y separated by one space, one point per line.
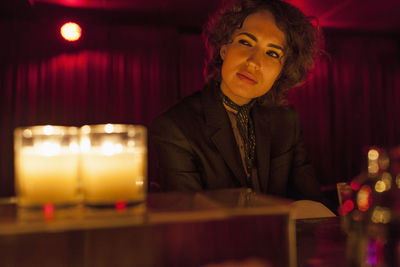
46 165
113 164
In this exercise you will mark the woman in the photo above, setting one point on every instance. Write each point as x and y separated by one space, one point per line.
238 131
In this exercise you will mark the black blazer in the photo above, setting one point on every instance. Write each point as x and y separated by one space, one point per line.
197 150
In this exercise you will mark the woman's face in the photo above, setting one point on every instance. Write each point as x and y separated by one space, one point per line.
253 59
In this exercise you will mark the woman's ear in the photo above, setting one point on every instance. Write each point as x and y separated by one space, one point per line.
222 52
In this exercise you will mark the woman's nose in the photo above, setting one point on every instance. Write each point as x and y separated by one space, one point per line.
254 59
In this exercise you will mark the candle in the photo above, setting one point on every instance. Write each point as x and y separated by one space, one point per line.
114 164
46 165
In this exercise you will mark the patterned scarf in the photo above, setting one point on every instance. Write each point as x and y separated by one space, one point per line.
245 127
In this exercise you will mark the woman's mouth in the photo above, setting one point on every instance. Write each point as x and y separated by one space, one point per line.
247 77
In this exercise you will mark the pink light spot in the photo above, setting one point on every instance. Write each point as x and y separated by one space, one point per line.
48 211
355 185
120 205
348 206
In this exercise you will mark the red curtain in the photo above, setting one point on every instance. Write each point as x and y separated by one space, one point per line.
123 75
350 102
126 74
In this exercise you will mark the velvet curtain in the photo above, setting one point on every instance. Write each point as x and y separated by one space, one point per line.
350 102
118 75
126 74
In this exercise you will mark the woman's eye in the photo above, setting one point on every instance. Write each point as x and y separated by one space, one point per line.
244 42
272 54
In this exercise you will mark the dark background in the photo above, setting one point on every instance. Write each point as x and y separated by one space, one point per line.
137 58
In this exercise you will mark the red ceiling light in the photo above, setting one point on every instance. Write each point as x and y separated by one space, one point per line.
71 31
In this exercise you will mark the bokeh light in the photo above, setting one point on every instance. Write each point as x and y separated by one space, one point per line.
120 205
48 211
109 128
348 206
373 167
71 31
381 215
387 179
355 185
373 154
364 198
380 186
398 180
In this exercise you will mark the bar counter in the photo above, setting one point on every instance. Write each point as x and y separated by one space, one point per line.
215 228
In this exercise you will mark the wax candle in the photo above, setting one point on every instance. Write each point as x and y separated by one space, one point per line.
46 165
113 164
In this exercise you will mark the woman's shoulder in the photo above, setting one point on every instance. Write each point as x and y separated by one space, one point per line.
183 112
187 106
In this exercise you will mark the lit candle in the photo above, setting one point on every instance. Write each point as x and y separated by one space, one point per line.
46 165
114 164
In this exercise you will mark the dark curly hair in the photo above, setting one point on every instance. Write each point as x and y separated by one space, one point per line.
301 41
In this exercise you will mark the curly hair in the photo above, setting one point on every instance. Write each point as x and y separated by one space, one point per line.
301 39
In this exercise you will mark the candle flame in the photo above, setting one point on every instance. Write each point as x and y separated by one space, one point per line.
85 144
73 147
48 149
109 128
48 130
27 133
110 149
86 129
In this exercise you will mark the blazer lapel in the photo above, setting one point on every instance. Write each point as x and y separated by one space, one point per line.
220 132
263 145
